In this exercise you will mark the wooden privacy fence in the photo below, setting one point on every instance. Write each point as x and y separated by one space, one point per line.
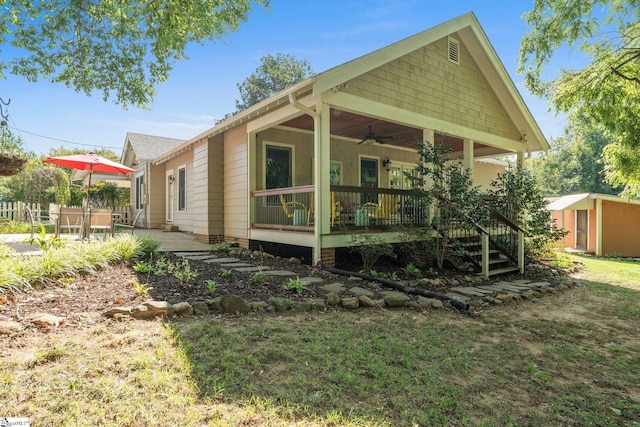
15 211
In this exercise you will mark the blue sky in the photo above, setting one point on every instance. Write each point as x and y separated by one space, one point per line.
203 88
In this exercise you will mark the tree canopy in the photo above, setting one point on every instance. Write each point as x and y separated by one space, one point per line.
574 164
273 75
606 91
121 48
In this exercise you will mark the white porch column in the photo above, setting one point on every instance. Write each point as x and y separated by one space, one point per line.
428 136
467 159
322 154
520 161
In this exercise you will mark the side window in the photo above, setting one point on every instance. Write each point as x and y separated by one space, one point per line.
182 189
139 196
369 178
277 167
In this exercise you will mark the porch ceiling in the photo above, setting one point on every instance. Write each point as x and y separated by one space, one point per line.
354 126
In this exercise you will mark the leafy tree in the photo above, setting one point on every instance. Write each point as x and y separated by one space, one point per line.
38 183
517 195
451 195
272 76
606 90
121 48
574 164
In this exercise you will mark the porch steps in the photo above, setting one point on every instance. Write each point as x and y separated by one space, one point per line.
498 263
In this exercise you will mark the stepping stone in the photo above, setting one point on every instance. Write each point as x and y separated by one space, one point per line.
468 291
252 269
522 281
222 260
183 254
236 264
537 285
334 287
199 257
513 285
361 291
456 297
279 273
511 288
312 280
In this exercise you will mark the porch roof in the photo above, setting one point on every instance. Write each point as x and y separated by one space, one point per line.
466 27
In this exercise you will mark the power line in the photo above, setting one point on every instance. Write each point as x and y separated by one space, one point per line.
60 140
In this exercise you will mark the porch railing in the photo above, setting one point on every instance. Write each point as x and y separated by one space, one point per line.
350 208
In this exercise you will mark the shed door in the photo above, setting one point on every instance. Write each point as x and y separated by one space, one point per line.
581 229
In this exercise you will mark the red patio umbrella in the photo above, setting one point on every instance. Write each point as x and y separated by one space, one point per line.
90 162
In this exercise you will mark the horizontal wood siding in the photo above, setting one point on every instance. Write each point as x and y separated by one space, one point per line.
185 219
236 210
426 82
216 186
620 228
156 189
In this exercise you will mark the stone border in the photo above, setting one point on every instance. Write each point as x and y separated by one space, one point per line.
478 297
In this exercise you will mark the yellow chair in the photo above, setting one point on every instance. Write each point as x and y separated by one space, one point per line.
335 210
388 207
290 207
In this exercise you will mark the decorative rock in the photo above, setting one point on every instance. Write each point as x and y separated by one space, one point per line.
350 302
183 309
200 308
301 306
395 299
354 279
294 260
214 304
259 306
45 320
430 303
358 291
118 310
334 287
280 304
366 301
311 280
333 298
234 304
161 308
142 312
9 327
317 304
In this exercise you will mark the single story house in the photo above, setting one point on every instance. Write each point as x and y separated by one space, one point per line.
326 158
600 224
148 181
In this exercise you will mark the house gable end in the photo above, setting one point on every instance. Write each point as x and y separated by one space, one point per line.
426 81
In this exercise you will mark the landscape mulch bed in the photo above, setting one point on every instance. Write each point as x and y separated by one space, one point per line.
83 299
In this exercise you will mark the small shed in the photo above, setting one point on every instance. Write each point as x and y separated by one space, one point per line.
601 224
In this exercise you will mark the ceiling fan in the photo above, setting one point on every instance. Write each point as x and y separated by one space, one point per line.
370 136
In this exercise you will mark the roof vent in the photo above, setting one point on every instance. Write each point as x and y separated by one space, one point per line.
454 50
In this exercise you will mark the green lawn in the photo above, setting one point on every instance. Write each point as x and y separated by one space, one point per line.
568 359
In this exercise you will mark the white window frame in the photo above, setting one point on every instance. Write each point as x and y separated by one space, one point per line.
181 180
265 144
139 192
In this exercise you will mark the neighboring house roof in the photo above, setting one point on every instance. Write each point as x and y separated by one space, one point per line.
466 27
149 147
584 201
